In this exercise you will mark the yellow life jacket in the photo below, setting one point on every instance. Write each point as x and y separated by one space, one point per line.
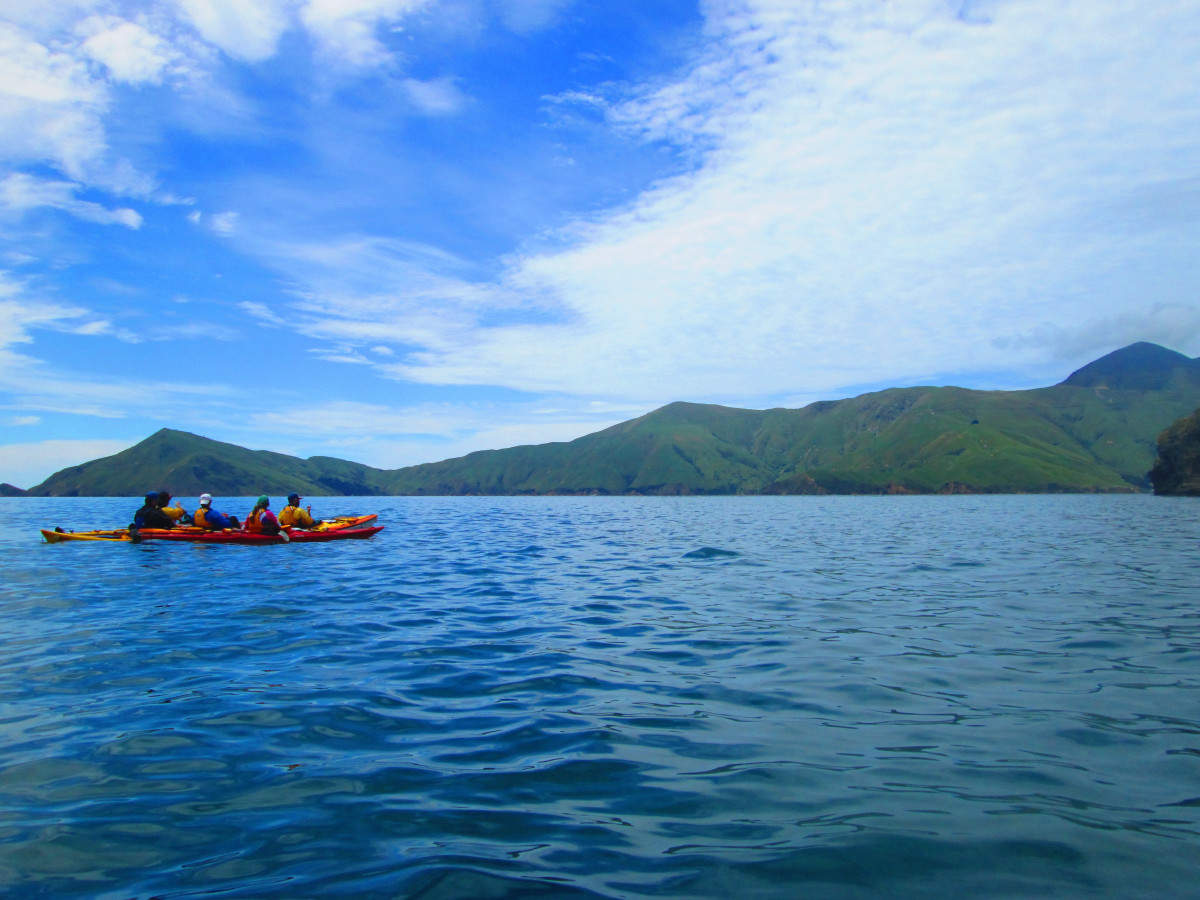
291 516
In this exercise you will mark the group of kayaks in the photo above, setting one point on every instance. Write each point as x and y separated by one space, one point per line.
339 528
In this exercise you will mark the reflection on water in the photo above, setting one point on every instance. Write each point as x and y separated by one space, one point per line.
610 697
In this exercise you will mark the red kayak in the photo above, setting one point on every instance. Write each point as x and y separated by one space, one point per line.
295 536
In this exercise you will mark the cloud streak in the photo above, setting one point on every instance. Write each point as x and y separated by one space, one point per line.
876 190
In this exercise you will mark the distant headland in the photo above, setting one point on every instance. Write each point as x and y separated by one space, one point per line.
1094 432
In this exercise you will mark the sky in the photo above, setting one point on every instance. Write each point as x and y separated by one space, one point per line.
397 231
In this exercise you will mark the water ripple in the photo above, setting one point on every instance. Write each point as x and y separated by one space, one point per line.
610 698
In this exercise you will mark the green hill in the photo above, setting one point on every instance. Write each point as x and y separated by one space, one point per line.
188 465
1096 431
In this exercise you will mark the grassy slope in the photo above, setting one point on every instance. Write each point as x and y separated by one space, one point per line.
187 465
1061 438
1094 432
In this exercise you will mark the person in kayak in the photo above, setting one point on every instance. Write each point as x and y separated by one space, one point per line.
207 517
292 516
151 515
177 514
261 520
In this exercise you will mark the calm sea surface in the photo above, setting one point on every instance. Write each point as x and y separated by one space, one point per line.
776 697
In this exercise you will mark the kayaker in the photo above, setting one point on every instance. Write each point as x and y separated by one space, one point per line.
207 517
261 520
150 515
292 516
177 514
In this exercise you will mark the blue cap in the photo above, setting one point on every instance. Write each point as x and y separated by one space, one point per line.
152 497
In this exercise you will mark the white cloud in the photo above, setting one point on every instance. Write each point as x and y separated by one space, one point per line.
20 421
224 224
19 316
345 30
20 192
528 16
438 97
127 49
31 385
28 464
393 437
50 106
261 312
878 190
1170 324
244 29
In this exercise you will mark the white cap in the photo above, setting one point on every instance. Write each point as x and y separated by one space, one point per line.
205 499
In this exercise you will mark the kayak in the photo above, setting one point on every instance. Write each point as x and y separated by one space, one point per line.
332 526
231 536
202 536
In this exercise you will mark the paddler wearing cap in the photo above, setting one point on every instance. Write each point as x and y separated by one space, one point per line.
261 520
292 516
207 517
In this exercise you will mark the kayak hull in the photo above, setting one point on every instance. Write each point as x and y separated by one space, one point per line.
330 530
246 537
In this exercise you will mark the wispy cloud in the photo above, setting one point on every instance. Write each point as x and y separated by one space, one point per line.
245 29
876 190
32 384
436 97
20 193
27 464
129 51
393 437
346 32
224 223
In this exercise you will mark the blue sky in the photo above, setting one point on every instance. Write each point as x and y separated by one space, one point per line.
396 231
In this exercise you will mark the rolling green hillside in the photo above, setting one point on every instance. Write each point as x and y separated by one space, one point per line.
1096 431
188 465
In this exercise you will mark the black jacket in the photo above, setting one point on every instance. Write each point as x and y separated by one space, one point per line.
152 517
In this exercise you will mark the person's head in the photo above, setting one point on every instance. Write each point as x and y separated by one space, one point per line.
206 499
294 499
164 498
262 502
152 498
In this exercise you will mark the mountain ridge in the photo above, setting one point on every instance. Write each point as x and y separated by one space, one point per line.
1094 431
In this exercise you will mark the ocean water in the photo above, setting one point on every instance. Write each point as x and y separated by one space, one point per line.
775 697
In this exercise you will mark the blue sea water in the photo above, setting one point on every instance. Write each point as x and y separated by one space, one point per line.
776 697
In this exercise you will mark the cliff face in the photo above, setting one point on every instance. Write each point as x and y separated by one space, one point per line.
1176 472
